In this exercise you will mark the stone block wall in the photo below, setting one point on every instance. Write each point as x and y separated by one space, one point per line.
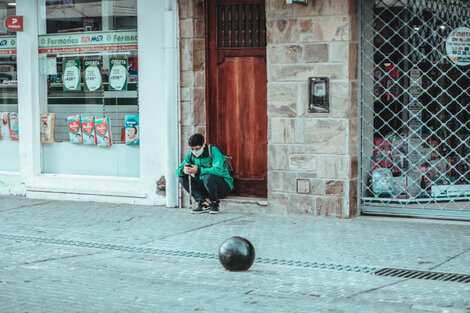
192 69
317 39
192 32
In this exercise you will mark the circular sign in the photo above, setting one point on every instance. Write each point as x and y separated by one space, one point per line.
14 23
458 46
93 78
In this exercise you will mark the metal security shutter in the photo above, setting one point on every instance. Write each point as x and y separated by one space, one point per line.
415 108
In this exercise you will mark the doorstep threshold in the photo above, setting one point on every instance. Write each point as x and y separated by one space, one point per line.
245 200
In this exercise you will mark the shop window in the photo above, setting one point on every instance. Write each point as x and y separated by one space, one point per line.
89 64
9 126
415 104
65 16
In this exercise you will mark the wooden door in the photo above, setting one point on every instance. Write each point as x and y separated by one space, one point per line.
237 84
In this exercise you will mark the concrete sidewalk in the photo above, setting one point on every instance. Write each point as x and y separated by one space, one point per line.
62 256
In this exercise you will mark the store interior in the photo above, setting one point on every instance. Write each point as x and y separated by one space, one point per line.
419 146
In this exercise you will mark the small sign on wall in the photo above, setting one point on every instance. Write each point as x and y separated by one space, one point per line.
297 1
14 23
118 74
72 78
93 80
458 46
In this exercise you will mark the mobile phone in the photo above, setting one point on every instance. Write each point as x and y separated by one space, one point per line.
187 165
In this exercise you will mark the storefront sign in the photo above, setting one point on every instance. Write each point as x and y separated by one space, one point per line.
117 74
458 46
72 79
92 75
450 190
7 45
14 23
88 42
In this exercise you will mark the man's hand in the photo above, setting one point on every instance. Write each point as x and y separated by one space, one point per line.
190 169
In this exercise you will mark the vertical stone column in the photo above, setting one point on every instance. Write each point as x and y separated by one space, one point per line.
192 68
317 39
192 72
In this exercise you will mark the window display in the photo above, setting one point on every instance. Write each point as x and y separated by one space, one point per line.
88 130
68 94
132 129
416 122
47 127
90 68
74 124
5 126
14 129
103 132
9 123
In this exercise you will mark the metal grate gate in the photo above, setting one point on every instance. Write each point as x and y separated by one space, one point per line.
415 108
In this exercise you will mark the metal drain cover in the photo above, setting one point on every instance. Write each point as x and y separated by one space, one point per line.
403 273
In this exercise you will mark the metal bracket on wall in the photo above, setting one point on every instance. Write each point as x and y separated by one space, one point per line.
296 1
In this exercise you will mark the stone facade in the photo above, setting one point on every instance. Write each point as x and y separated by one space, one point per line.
192 32
317 39
192 69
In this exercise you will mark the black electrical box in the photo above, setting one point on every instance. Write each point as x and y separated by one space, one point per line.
318 91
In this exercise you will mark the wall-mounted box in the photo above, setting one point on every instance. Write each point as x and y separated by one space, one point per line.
303 186
318 94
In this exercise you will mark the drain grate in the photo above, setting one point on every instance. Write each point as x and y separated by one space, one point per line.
412 274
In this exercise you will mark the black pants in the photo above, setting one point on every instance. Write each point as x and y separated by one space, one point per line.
212 186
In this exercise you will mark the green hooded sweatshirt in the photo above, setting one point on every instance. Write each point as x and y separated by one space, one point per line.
208 165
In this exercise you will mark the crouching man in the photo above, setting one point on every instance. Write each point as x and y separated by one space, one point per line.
203 174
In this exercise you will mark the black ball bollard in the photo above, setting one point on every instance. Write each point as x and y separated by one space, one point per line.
236 254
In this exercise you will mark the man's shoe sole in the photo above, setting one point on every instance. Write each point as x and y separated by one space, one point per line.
199 212
214 212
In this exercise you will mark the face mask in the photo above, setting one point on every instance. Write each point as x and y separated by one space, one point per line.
197 153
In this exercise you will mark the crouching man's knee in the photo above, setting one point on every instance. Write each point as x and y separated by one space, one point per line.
209 177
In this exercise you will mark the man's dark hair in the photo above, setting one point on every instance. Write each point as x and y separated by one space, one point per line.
196 140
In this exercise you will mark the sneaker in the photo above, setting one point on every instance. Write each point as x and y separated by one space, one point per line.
214 208
202 207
